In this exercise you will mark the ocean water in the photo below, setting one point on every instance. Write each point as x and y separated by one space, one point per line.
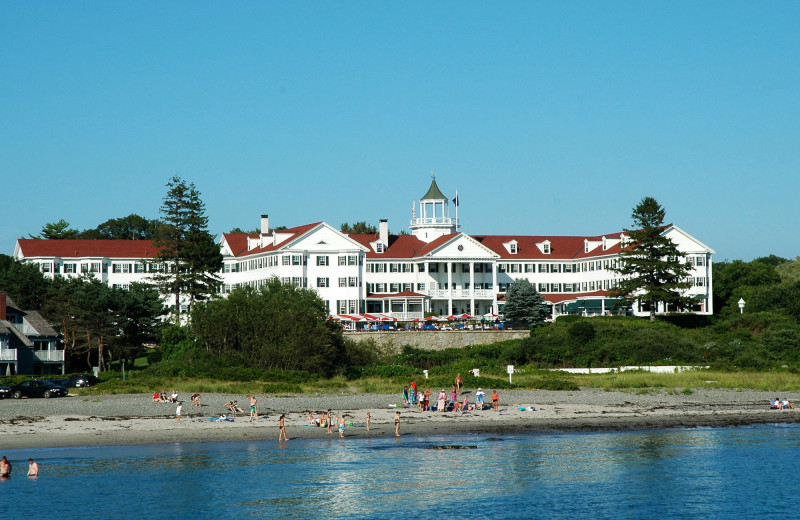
708 473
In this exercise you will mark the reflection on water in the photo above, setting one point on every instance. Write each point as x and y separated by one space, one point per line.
693 473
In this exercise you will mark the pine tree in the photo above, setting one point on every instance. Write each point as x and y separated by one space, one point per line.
191 258
651 266
524 305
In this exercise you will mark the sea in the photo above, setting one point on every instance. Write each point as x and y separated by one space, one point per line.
705 473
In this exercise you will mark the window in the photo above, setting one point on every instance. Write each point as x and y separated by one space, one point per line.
296 281
69 268
542 287
420 286
555 287
352 260
479 268
380 287
47 267
84 268
379 247
352 281
529 268
286 259
138 267
322 260
343 282
408 286
323 282
512 248
407 268
394 268
394 287
700 281
297 260
464 268
501 268
546 249
342 306
433 268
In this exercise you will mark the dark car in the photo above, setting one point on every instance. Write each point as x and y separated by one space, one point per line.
60 382
82 381
37 388
4 392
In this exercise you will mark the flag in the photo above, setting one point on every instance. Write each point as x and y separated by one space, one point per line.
455 200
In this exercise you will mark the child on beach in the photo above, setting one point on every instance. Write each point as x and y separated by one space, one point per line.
179 410
368 419
341 426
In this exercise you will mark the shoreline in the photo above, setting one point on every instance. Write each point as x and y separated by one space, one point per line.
133 419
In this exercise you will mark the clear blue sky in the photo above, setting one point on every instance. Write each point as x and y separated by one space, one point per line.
549 118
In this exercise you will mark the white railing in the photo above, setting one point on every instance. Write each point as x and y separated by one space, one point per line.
460 293
8 354
406 316
49 355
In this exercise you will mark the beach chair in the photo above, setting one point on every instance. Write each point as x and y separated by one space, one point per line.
479 402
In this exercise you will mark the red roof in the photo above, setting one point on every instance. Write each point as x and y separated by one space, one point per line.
558 297
38 247
237 242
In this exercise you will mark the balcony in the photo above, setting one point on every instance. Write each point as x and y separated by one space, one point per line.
433 221
8 354
461 293
49 355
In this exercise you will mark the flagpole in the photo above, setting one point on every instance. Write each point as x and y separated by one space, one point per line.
457 224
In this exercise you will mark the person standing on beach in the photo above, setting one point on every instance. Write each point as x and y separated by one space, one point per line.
440 405
397 424
33 468
495 400
414 392
253 407
330 421
459 383
282 425
368 419
179 410
341 426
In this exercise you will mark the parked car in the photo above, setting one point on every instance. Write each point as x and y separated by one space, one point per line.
37 388
82 381
60 382
4 392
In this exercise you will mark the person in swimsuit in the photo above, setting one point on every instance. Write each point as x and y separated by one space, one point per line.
282 426
33 468
368 419
253 407
5 468
341 426
495 400
459 382
330 422
196 400
397 424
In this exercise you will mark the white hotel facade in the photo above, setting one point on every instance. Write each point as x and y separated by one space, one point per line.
435 268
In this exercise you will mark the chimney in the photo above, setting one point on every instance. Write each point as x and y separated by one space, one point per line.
383 232
264 225
3 306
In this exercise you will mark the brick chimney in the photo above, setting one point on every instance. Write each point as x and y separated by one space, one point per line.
3 315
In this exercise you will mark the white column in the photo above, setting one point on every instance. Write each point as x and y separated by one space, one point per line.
472 288
450 287
494 288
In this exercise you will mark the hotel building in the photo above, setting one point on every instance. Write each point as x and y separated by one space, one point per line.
434 268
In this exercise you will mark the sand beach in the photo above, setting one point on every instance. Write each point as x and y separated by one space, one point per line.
136 419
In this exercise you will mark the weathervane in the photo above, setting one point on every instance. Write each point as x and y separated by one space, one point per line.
433 175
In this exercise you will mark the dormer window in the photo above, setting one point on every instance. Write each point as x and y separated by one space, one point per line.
546 247
379 247
512 248
585 246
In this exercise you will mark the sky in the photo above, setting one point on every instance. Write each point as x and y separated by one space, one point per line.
548 118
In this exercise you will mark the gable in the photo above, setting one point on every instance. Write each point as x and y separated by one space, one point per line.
686 243
323 238
462 246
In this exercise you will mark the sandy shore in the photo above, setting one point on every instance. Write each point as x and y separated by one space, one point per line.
136 419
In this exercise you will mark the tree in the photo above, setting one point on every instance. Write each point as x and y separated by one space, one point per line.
132 227
524 305
187 249
359 228
25 283
278 326
239 231
57 231
651 266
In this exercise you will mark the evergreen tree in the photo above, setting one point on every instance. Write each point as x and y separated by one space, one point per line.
187 249
132 227
57 231
524 305
359 228
651 266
